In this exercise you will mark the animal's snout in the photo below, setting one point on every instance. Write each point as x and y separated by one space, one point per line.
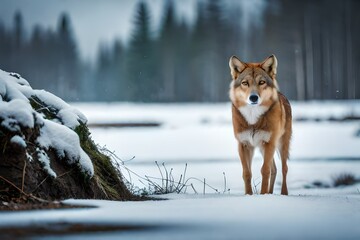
254 98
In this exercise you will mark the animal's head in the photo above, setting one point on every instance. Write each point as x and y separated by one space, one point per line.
253 83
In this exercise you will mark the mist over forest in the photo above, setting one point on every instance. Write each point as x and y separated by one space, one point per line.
316 43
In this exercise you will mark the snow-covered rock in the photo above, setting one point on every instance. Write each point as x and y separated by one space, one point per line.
23 108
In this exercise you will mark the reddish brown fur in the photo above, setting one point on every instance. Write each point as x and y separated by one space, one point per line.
276 120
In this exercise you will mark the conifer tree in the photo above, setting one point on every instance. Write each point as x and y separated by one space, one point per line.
68 76
168 51
143 82
18 30
118 67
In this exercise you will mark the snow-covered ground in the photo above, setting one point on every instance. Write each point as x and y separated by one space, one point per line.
201 136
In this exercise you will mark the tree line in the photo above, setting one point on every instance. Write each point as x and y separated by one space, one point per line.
315 43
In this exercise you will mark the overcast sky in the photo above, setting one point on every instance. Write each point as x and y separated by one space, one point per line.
93 21
101 21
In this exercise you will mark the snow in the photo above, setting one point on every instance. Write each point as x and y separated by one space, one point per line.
16 114
69 119
44 159
212 217
216 141
201 135
169 115
239 217
15 87
18 141
66 144
326 109
68 115
190 133
174 114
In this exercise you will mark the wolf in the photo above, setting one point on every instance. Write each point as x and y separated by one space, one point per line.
261 117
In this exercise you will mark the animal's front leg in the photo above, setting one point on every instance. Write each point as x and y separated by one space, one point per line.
272 176
269 150
246 153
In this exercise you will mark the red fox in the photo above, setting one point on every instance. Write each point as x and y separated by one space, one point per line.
261 118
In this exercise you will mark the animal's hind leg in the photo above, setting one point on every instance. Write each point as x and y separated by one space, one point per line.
284 154
284 190
272 177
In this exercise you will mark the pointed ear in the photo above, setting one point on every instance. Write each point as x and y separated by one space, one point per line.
236 67
270 66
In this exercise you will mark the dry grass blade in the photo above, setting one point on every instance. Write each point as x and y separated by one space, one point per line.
344 179
164 184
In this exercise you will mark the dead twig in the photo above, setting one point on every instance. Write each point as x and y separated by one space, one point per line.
65 173
23 176
225 186
193 188
40 183
255 186
21 191
204 186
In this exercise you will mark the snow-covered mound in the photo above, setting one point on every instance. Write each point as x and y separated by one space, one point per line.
23 109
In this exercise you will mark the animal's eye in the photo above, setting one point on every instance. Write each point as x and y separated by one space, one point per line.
262 82
245 83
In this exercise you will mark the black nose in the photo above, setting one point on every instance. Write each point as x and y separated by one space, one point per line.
253 98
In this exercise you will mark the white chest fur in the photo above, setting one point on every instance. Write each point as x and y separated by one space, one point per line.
252 113
254 137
